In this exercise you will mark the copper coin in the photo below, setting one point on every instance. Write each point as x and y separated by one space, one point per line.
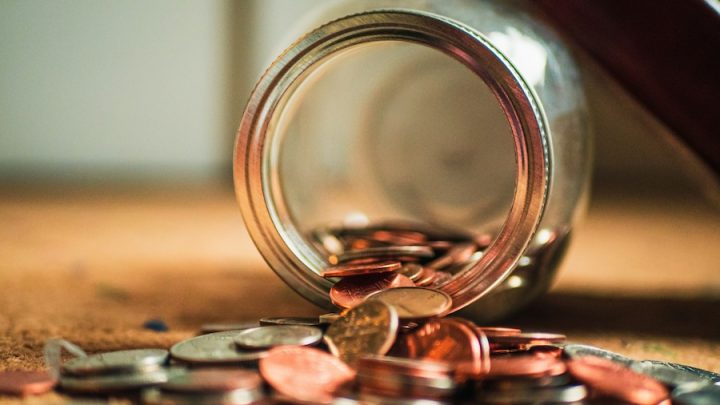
356 269
523 341
26 382
351 291
385 251
526 366
615 380
403 366
446 340
368 329
499 331
399 237
213 379
459 253
472 367
413 271
440 278
415 302
304 374
426 277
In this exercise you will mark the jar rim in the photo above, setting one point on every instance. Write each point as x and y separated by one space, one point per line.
267 219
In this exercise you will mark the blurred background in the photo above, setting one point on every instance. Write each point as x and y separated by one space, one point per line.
103 91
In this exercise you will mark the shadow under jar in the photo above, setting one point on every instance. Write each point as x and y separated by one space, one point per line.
463 121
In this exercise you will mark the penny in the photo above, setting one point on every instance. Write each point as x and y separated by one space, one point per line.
213 379
426 277
214 348
292 320
575 351
447 340
458 253
413 271
398 237
369 328
523 341
439 279
353 269
26 382
526 366
415 302
499 331
113 382
265 337
116 361
351 291
224 327
304 374
615 380
385 251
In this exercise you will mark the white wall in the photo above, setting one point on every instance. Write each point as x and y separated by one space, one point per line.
128 87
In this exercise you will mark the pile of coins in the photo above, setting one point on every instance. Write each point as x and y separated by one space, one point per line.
374 258
391 343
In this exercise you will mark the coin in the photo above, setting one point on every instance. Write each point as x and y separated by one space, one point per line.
413 271
447 340
351 291
613 379
385 251
499 331
213 348
526 366
292 320
26 382
458 253
369 328
304 374
155 396
696 394
575 351
224 327
327 319
353 269
213 379
573 393
670 373
265 337
113 382
415 302
523 341
117 361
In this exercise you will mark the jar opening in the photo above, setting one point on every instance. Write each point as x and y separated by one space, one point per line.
389 116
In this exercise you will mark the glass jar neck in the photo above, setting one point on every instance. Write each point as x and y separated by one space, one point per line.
255 164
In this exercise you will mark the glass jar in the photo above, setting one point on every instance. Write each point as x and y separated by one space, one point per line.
455 115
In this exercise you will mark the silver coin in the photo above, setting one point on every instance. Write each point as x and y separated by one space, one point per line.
556 395
672 374
214 348
696 394
117 361
414 302
156 396
293 320
227 326
383 251
204 380
113 382
266 337
576 351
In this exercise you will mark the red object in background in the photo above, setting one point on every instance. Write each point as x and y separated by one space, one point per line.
666 53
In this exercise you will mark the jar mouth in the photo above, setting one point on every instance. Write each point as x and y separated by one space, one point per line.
268 219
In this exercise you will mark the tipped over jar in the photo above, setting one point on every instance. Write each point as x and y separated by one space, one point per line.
452 128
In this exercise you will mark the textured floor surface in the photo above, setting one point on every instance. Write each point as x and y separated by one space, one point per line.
93 264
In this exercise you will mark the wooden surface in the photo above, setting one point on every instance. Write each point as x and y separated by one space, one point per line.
93 264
